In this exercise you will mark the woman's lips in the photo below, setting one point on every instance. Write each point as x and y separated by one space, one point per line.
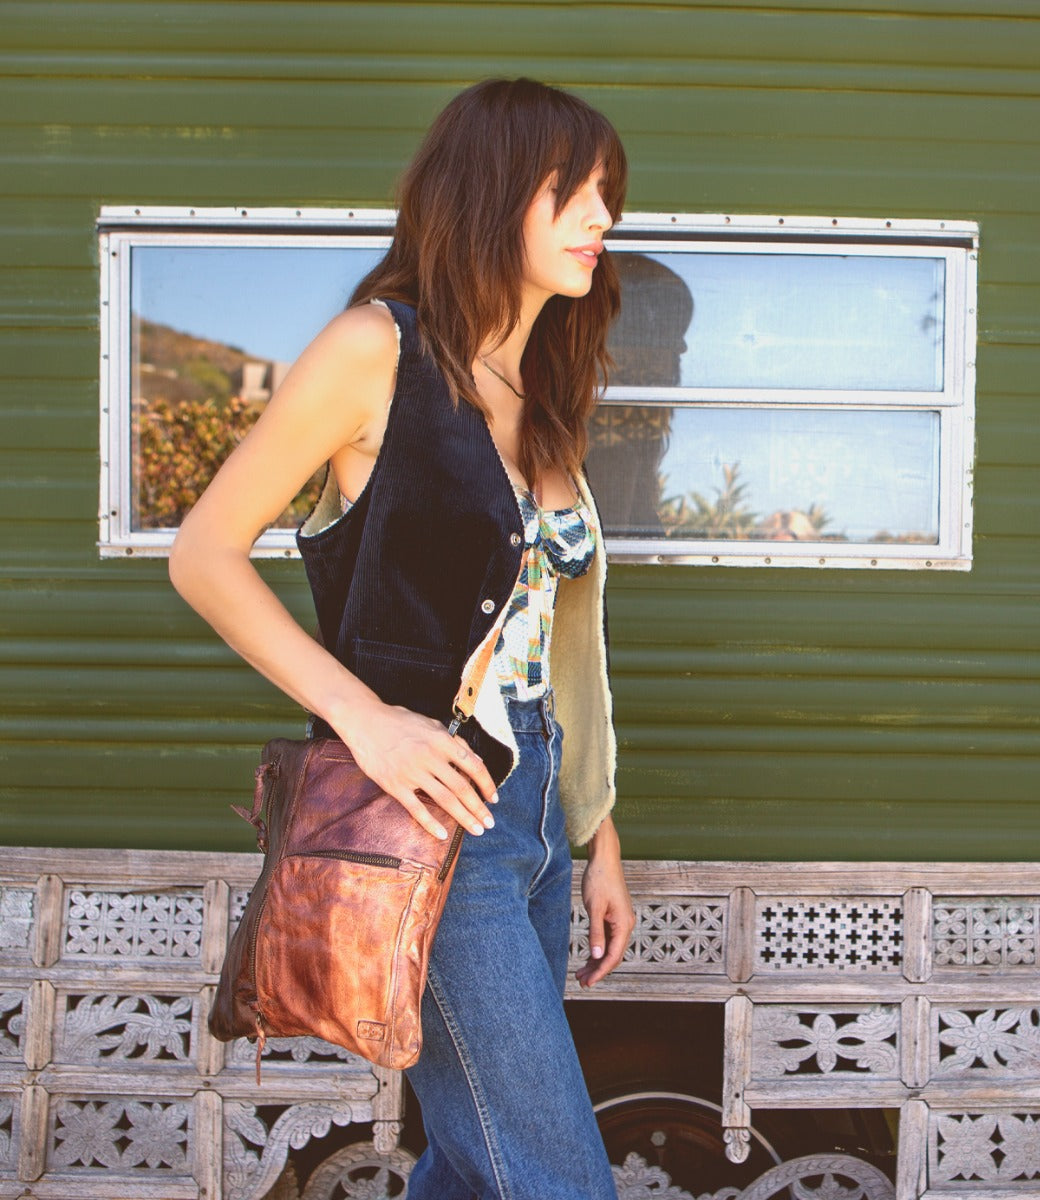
586 255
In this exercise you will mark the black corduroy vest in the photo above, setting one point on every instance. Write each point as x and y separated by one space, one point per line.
412 578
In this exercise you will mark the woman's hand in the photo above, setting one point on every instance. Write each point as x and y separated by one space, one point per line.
608 904
406 753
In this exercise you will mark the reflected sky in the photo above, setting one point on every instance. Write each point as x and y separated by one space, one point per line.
269 301
812 321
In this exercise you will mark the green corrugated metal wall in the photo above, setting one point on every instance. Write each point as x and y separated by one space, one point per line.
762 713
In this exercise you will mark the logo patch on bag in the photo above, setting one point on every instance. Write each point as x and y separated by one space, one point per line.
371 1031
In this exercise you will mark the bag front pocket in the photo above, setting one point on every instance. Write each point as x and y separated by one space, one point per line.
333 948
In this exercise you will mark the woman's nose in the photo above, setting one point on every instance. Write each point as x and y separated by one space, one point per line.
598 216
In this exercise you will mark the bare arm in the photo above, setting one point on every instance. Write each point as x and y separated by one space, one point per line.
332 405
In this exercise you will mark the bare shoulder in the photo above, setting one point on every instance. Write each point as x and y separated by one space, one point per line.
363 338
344 379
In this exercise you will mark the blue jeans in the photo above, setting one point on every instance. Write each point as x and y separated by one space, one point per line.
506 1109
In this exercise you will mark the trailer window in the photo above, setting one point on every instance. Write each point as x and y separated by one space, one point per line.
783 392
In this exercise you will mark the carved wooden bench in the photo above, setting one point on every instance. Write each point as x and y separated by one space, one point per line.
845 985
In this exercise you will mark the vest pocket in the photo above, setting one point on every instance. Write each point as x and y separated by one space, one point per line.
415 677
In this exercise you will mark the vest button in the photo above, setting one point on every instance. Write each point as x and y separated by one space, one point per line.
514 539
488 606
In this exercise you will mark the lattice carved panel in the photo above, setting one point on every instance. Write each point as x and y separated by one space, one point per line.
145 927
14 1006
671 934
854 936
17 905
88 1134
978 1150
113 1029
237 900
825 1040
992 932
970 1041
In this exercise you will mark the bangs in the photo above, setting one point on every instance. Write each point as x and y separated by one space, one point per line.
588 140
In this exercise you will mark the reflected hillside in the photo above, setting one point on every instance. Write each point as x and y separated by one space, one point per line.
194 400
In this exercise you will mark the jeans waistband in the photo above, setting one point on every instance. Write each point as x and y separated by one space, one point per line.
532 716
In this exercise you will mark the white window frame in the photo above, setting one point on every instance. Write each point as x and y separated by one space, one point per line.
123 228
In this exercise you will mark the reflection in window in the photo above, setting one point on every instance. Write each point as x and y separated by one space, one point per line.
809 386
214 330
761 474
810 320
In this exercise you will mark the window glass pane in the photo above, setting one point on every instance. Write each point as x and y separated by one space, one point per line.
759 474
214 330
776 320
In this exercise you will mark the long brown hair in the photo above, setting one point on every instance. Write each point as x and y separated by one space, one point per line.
458 252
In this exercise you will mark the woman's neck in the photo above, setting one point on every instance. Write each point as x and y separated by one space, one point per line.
507 352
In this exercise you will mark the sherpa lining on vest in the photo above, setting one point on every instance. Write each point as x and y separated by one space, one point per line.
583 701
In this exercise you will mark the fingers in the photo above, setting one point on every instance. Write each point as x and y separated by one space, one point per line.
472 765
596 936
411 756
421 814
603 960
473 817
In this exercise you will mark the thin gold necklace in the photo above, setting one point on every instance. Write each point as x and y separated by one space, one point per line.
498 375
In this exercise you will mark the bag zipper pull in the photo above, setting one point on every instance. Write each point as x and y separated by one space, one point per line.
264 774
261 1043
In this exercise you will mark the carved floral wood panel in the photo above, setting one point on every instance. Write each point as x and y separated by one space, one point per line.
998 1040
806 1040
115 1134
13 1005
114 1029
8 1110
257 1139
297 1051
980 1149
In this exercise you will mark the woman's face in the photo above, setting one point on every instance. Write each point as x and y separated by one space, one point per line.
561 249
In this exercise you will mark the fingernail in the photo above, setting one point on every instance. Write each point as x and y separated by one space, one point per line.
489 822
597 951
494 798
476 829
441 832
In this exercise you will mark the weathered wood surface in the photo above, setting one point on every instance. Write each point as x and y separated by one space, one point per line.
846 985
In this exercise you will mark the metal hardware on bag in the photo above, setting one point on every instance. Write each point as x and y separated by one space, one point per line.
449 858
457 721
261 1043
264 775
391 861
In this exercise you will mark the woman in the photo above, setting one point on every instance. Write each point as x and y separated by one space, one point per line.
451 401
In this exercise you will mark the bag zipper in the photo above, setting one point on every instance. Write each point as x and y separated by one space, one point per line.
449 858
356 856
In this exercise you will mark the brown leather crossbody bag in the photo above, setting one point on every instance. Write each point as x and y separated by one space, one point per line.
336 935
